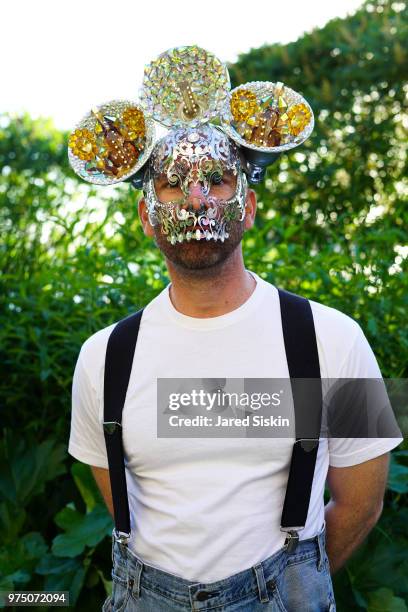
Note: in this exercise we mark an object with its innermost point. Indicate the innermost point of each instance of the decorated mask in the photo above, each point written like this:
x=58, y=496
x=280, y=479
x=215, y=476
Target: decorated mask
x=194, y=186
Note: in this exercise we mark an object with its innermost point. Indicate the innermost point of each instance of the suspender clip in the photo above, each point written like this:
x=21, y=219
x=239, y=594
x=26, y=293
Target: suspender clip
x=291, y=541
x=111, y=426
x=308, y=444
x=121, y=536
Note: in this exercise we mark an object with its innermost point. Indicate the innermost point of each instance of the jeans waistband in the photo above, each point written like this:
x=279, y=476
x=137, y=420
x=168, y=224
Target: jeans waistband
x=200, y=595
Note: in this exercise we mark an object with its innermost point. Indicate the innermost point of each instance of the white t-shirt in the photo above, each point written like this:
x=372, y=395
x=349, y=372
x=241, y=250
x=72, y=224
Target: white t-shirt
x=206, y=508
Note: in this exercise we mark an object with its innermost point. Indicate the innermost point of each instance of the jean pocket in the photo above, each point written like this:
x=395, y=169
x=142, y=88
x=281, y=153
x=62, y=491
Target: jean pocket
x=121, y=589
x=301, y=587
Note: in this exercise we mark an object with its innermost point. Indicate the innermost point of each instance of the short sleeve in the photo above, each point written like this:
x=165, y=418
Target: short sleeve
x=344, y=452
x=87, y=440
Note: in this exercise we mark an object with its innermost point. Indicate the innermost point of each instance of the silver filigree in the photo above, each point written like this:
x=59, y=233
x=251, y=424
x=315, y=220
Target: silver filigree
x=183, y=224
x=194, y=161
x=194, y=155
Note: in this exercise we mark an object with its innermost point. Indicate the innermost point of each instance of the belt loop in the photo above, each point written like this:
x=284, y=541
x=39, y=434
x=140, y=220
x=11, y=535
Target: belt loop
x=260, y=579
x=321, y=545
x=137, y=577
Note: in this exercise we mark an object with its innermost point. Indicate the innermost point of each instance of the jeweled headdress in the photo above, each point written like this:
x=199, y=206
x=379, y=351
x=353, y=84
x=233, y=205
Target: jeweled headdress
x=187, y=87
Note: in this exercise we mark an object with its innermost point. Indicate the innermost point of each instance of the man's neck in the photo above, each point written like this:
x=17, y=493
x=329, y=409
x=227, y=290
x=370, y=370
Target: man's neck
x=212, y=292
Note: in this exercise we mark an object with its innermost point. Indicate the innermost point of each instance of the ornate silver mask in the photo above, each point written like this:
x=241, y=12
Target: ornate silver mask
x=194, y=186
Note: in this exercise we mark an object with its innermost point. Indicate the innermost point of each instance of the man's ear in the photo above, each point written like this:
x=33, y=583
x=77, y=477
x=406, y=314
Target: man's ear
x=144, y=218
x=250, y=209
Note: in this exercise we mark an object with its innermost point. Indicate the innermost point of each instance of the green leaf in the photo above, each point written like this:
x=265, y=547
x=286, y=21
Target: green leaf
x=376, y=559
x=91, y=529
x=86, y=484
x=56, y=565
x=26, y=470
x=398, y=476
x=107, y=583
x=67, y=518
x=11, y=521
x=359, y=597
x=70, y=581
x=384, y=600
x=18, y=558
x=34, y=545
x=20, y=576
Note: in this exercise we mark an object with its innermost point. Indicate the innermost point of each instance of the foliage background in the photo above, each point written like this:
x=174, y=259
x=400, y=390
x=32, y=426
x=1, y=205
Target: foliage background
x=331, y=226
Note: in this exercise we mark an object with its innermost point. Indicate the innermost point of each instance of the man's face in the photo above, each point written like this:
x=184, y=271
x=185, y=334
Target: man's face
x=195, y=195
x=200, y=254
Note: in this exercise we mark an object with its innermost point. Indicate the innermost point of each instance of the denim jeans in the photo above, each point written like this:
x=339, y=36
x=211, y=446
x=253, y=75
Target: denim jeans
x=284, y=582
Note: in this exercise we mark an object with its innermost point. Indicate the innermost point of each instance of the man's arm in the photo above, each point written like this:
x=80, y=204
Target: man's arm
x=102, y=479
x=356, y=504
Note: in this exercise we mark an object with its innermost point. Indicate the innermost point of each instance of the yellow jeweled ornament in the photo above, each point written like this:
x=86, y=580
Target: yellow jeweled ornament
x=83, y=144
x=134, y=121
x=299, y=116
x=243, y=104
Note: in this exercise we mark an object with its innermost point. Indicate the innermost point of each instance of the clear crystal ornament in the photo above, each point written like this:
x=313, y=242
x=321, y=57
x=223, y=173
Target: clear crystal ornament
x=185, y=85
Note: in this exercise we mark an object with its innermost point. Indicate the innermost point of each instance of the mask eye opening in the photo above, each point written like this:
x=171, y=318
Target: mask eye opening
x=216, y=178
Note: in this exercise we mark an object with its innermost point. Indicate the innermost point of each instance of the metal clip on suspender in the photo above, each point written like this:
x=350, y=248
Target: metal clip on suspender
x=303, y=363
x=120, y=351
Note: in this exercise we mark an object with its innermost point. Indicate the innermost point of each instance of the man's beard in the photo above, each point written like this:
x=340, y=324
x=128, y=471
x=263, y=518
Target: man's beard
x=200, y=254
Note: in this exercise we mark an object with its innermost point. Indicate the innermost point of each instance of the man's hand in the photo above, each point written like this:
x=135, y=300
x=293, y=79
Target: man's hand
x=356, y=504
x=102, y=479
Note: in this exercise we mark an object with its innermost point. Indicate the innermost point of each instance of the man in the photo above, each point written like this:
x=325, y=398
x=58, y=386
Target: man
x=205, y=512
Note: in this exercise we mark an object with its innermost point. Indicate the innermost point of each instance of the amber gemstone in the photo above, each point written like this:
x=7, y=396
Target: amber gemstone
x=83, y=144
x=299, y=116
x=243, y=104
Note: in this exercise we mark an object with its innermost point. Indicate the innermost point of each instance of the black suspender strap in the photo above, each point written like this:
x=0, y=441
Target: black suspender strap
x=303, y=363
x=120, y=351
